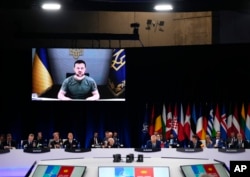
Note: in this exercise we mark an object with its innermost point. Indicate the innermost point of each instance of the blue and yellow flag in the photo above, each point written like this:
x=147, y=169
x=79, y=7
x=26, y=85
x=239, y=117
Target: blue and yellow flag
x=41, y=77
x=117, y=73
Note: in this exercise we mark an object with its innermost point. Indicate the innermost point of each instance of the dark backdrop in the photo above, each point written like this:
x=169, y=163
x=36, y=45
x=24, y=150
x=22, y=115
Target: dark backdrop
x=206, y=73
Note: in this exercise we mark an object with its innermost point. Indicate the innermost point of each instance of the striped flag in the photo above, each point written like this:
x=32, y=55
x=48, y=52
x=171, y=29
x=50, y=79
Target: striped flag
x=247, y=128
x=158, y=124
x=236, y=123
x=169, y=122
x=242, y=120
x=204, y=127
x=175, y=121
x=229, y=120
x=41, y=76
x=181, y=135
x=210, y=122
x=187, y=126
x=199, y=125
x=216, y=120
x=193, y=121
x=223, y=123
x=117, y=73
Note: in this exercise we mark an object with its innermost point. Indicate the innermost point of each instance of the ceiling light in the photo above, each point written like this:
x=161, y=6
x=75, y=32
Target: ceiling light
x=163, y=7
x=51, y=6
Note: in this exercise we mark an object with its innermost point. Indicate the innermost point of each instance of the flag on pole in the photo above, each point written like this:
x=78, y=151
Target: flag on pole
x=247, y=128
x=204, y=127
x=145, y=126
x=169, y=122
x=181, y=135
x=193, y=121
x=158, y=124
x=236, y=123
x=164, y=121
x=199, y=125
x=152, y=121
x=242, y=120
x=223, y=123
x=210, y=122
x=187, y=126
x=175, y=122
x=216, y=120
x=117, y=72
x=41, y=76
x=229, y=120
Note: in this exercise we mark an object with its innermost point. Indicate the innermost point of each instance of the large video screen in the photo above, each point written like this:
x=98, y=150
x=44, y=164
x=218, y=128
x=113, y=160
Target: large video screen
x=60, y=74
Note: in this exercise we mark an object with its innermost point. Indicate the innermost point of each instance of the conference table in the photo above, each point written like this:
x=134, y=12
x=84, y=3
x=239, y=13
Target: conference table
x=16, y=162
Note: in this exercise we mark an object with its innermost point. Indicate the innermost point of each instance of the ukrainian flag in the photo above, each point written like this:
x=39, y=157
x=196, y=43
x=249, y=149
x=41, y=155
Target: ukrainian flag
x=117, y=73
x=41, y=77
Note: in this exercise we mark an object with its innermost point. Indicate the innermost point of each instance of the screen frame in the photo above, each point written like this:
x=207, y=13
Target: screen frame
x=61, y=165
x=184, y=172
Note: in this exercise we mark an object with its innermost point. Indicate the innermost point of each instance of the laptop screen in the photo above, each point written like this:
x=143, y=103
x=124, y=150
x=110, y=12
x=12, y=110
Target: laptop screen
x=128, y=171
x=59, y=170
x=213, y=170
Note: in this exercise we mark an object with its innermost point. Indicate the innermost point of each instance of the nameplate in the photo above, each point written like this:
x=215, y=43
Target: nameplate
x=36, y=150
x=231, y=150
x=189, y=149
x=2, y=151
x=77, y=150
x=147, y=149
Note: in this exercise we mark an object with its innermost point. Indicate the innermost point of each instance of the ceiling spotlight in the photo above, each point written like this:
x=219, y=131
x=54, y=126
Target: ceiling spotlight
x=51, y=6
x=163, y=7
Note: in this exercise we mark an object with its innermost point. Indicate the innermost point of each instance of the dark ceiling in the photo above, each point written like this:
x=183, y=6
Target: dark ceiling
x=134, y=5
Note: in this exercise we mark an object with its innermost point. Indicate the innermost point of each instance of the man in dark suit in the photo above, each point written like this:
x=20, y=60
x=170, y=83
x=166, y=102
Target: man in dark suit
x=153, y=142
x=195, y=142
x=240, y=143
x=70, y=143
x=95, y=141
x=30, y=142
x=9, y=143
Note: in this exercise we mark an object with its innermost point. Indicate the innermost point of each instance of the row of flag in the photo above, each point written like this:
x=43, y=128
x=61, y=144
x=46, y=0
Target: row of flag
x=197, y=119
x=42, y=78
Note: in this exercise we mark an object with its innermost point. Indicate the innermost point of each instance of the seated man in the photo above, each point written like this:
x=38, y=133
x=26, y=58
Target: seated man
x=30, y=142
x=56, y=142
x=218, y=142
x=70, y=143
x=195, y=142
x=111, y=143
x=153, y=142
x=240, y=143
x=9, y=143
x=172, y=142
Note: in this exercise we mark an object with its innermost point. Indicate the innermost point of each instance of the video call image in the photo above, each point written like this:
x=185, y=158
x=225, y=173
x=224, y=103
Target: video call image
x=78, y=74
